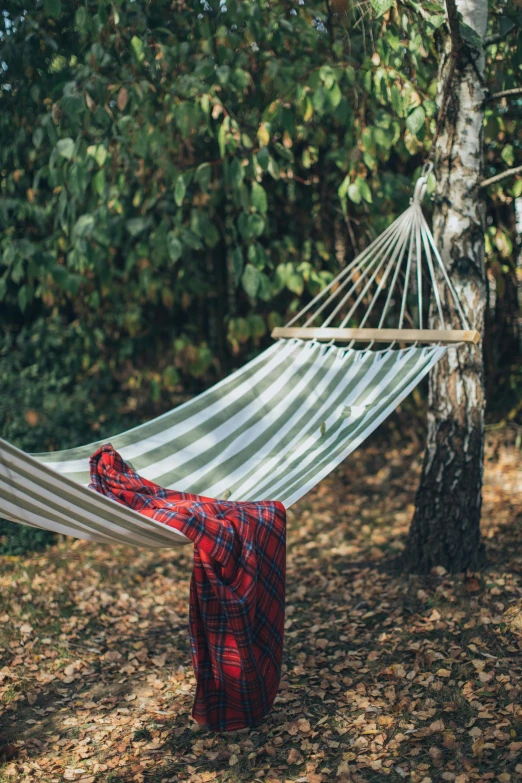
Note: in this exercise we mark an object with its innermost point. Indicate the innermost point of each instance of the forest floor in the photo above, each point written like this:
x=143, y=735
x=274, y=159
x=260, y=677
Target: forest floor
x=386, y=676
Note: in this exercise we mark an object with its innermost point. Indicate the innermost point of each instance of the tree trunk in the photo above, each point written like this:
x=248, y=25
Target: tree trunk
x=446, y=525
x=518, y=216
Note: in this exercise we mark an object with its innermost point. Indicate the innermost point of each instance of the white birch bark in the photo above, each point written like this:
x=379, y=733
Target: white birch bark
x=446, y=526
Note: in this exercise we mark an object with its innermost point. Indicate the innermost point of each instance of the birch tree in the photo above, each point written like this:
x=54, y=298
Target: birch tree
x=446, y=526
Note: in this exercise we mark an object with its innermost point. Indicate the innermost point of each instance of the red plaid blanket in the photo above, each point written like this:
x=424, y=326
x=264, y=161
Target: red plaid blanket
x=237, y=592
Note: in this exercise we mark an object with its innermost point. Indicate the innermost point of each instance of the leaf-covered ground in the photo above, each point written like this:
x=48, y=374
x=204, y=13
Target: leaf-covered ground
x=386, y=676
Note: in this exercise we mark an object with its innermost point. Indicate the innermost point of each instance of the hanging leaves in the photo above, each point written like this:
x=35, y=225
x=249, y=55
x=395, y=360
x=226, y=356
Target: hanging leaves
x=381, y=6
x=415, y=120
x=156, y=185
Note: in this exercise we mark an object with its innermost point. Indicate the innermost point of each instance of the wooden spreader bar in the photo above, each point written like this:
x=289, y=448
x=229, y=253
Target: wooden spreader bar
x=443, y=336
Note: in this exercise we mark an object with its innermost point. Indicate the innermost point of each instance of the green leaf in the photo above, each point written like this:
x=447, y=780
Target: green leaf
x=98, y=152
x=53, y=7
x=137, y=48
x=179, y=190
x=256, y=225
x=211, y=235
x=22, y=298
x=517, y=188
x=327, y=75
x=174, y=247
x=354, y=194
x=263, y=158
x=77, y=180
x=101, y=155
x=250, y=280
x=295, y=283
x=222, y=137
x=83, y=226
x=250, y=226
x=136, y=225
x=203, y=176
x=396, y=100
x=193, y=241
x=350, y=74
x=259, y=200
x=274, y=319
x=381, y=6
x=437, y=20
x=343, y=187
x=65, y=148
x=257, y=326
x=430, y=107
x=237, y=264
x=236, y=173
x=334, y=96
x=508, y=154
x=38, y=137
x=415, y=120
x=239, y=329
x=253, y=255
x=99, y=182
x=364, y=190
x=273, y=168
x=81, y=19
x=470, y=36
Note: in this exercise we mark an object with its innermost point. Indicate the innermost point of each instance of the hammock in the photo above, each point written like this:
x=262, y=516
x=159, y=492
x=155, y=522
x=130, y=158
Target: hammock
x=277, y=426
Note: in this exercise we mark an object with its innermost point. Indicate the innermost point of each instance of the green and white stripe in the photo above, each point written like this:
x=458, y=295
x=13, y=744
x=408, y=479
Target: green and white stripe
x=271, y=430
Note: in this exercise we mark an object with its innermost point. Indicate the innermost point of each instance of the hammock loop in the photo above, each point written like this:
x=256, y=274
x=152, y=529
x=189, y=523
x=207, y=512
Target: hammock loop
x=420, y=190
x=427, y=169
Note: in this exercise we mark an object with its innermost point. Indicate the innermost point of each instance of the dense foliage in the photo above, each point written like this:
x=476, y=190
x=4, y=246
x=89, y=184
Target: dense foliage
x=176, y=177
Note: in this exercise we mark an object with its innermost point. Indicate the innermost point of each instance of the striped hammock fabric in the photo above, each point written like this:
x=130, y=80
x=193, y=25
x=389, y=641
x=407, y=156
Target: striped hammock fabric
x=271, y=430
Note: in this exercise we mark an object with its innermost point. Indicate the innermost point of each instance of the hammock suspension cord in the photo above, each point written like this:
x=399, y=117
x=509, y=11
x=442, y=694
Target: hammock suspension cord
x=405, y=252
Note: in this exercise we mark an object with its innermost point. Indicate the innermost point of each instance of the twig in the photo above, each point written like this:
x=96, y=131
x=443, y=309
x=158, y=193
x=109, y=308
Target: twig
x=498, y=177
x=509, y=419
x=504, y=94
x=352, y=235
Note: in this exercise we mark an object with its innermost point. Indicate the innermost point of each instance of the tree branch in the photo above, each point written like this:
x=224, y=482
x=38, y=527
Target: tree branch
x=453, y=23
x=498, y=177
x=504, y=94
x=498, y=37
x=331, y=32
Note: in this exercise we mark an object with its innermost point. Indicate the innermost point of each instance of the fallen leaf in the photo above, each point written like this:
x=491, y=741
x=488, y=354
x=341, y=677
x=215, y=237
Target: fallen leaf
x=472, y=584
x=303, y=725
x=294, y=757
